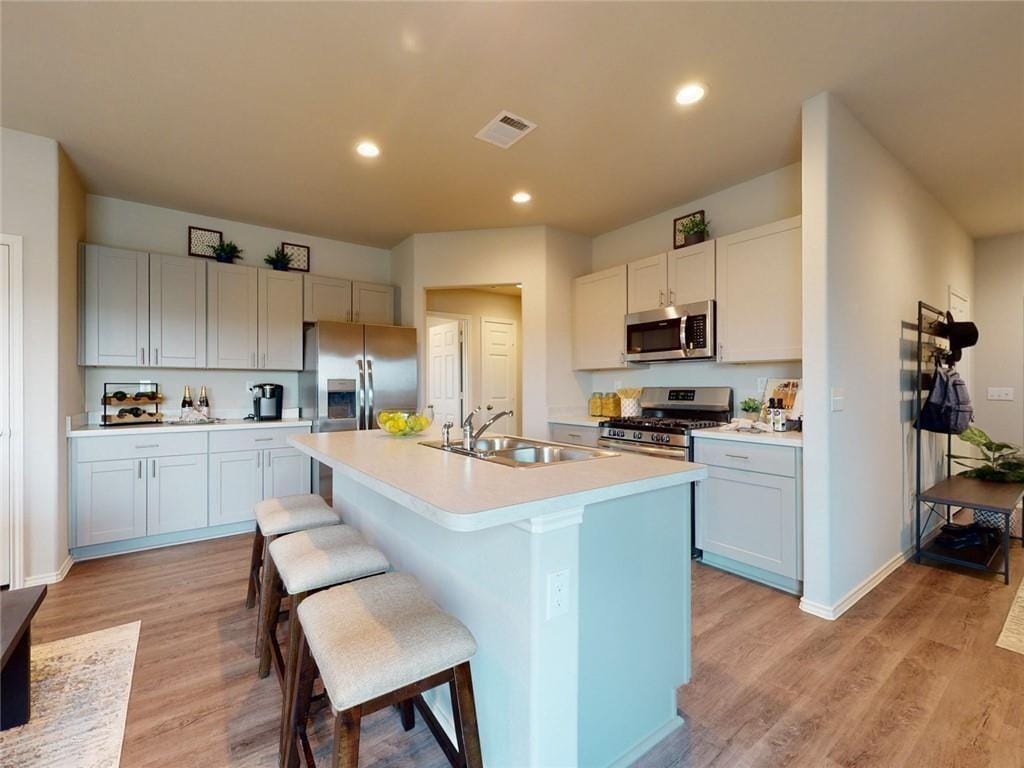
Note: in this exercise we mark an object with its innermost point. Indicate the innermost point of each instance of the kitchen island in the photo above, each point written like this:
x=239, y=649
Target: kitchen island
x=574, y=578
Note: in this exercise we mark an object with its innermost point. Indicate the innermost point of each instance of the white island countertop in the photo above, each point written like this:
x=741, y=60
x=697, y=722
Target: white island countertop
x=467, y=494
x=98, y=430
x=789, y=439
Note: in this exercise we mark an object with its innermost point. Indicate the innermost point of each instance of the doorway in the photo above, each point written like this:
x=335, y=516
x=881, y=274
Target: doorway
x=447, y=366
x=11, y=418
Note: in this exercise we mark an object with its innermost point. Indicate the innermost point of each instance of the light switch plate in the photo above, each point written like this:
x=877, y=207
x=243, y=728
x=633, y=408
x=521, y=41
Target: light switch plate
x=1000, y=393
x=838, y=399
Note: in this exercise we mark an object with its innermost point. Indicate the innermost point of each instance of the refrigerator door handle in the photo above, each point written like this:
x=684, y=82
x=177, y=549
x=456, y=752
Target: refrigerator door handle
x=369, y=395
x=360, y=398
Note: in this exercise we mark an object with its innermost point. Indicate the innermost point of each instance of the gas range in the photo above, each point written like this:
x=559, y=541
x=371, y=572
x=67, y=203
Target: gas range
x=668, y=416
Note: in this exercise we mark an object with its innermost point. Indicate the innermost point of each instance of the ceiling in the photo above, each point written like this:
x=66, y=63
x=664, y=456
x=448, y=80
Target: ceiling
x=250, y=111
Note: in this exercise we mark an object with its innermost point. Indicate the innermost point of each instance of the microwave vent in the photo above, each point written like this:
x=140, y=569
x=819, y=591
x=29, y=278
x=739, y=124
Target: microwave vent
x=505, y=129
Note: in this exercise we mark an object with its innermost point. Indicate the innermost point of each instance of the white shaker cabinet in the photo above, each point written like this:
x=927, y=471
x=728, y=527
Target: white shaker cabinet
x=176, y=493
x=646, y=284
x=691, y=273
x=759, y=294
x=236, y=484
x=598, y=320
x=177, y=311
x=286, y=472
x=110, y=500
x=232, y=310
x=373, y=303
x=326, y=298
x=280, y=320
x=114, y=307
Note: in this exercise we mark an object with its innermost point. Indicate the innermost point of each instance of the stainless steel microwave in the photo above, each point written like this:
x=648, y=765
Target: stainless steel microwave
x=682, y=332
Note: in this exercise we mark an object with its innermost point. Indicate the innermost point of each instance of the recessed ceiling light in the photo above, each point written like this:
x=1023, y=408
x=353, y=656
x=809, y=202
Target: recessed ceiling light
x=367, y=149
x=521, y=197
x=690, y=94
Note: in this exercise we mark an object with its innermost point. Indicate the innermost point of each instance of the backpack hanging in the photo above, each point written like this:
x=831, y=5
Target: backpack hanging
x=948, y=408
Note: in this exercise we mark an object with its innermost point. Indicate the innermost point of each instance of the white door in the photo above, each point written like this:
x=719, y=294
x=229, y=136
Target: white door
x=498, y=369
x=177, y=311
x=286, y=472
x=236, y=484
x=280, y=318
x=373, y=303
x=646, y=284
x=176, y=493
x=691, y=274
x=232, y=299
x=111, y=503
x=960, y=307
x=5, y=415
x=326, y=298
x=115, y=320
x=445, y=372
x=598, y=320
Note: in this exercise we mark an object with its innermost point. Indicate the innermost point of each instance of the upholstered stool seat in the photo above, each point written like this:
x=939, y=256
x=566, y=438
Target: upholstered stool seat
x=323, y=557
x=287, y=514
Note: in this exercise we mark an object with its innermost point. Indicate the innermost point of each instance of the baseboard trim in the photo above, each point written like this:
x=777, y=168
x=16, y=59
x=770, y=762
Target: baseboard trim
x=51, y=578
x=647, y=744
x=143, y=543
x=833, y=612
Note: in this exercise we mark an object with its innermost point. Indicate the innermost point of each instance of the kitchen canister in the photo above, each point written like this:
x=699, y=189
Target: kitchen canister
x=630, y=406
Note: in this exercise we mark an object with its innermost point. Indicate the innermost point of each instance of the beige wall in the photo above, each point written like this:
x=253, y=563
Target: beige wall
x=478, y=305
x=874, y=243
x=999, y=357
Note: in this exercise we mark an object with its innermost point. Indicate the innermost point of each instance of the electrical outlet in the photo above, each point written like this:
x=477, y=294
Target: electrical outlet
x=249, y=385
x=558, y=593
x=838, y=399
x=1000, y=393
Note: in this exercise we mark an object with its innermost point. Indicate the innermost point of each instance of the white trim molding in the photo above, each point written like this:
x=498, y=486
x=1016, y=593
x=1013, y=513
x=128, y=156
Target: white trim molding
x=833, y=612
x=16, y=398
x=51, y=578
x=552, y=521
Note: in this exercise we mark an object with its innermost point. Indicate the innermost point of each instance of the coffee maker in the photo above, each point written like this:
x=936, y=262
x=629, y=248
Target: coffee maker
x=267, y=402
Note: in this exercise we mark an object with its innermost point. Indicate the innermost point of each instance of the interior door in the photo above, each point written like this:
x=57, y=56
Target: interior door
x=280, y=319
x=391, y=379
x=444, y=390
x=5, y=414
x=498, y=369
x=177, y=311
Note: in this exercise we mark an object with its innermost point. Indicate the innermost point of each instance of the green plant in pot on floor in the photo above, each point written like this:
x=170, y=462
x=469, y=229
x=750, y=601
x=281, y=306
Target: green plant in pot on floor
x=279, y=260
x=226, y=252
x=1000, y=462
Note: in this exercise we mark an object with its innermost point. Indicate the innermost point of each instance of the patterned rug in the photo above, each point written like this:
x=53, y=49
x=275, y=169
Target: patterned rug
x=1012, y=636
x=80, y=690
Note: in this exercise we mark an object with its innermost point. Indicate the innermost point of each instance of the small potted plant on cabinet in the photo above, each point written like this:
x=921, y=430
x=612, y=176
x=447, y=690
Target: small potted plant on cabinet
x=279, y=260
x=226, y=252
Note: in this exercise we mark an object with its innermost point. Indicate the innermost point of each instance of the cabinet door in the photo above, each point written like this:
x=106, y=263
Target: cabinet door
x=115, y=307
x=280, y=319
x=110, y=501
x=647, y=283
x=232, y=298
x=285, y=472
x=598, y=320
x=373, y=303
x=176, y=493
x=691, y=274
x=236, y=484
x=177, y=311
x=758, y=292
x=326, y=298
x=751, y=518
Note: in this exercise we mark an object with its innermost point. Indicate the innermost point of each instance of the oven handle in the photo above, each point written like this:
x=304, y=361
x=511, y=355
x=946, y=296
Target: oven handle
x=666, y=453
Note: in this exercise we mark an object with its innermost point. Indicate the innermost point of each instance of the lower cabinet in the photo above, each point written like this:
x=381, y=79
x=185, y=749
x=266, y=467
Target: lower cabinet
x=239, y=479
x=110, y=501
x=176, y=494
x=575, y=435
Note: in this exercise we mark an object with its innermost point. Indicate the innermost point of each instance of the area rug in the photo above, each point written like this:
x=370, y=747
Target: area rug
x=1012, y=636
x=80, y=690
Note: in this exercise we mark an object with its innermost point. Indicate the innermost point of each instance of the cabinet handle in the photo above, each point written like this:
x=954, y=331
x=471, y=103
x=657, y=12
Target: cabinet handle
x=154, y=467
x=671, y=297
x=140, y=469
x=148, y=445
x=156, y=355
x=264, y=363
x=253, y=359
x=737, y=456
x=142, y=355
x=259, y=461
x=571, y=434
x=661, y=298
x=264, y=440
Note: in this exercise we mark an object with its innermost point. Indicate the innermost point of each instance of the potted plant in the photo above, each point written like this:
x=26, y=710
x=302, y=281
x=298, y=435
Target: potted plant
x=1000, y=462
x=695, y=230
x=279, y=260
x=751, y=406
x=226, y=252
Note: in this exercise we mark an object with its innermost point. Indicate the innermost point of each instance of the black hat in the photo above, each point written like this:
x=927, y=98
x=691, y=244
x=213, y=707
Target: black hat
x=960, y=334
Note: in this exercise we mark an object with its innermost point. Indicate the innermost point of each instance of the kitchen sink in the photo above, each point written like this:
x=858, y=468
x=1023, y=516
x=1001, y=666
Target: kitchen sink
x=522, y=452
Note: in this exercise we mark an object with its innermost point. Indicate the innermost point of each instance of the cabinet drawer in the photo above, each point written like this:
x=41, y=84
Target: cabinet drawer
x=770, y=459
x=574, y=435
x=252, y=439
x=138, y=446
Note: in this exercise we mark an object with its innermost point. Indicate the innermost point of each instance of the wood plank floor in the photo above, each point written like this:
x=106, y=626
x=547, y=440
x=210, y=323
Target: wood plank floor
x=910, y=676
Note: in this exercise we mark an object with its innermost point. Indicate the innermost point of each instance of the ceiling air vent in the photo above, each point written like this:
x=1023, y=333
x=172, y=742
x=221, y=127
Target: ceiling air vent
x=505, y=130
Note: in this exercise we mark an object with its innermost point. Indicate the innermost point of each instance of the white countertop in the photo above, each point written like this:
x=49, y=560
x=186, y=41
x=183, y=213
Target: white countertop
x=788, y=439
x=466, y=494
x=577, y=421
x=98, y=430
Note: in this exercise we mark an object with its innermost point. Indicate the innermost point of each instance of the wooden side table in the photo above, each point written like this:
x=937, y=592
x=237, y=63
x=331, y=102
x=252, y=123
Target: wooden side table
x=17, y=607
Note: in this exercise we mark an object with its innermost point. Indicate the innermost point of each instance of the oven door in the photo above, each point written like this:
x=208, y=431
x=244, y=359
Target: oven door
x=628, y=446
x=683, y=332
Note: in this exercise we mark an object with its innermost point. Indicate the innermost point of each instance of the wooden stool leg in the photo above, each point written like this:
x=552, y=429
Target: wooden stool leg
x=291, y=662
x=469, y=735
x=301, y=696
x=255, y=560
x=270, y=607
x=408, y=715
x=346, y=738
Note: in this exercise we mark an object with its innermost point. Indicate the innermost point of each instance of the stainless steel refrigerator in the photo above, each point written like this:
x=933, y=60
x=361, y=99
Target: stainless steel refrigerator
x=351, y=372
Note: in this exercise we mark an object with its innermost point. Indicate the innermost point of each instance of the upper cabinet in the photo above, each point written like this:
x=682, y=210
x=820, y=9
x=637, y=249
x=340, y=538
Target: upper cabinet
x=759, y=294
x=177, y=312
x=373, y=303
x=232, y=313
x=326, y=298
x=682, y=276
x=114, y=307
x=599, y=330
x=280, y=319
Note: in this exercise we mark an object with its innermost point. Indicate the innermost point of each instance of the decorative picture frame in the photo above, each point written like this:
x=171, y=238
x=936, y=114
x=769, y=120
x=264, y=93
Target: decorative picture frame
x=678, y=238
x=202, y=240
x=299, y=254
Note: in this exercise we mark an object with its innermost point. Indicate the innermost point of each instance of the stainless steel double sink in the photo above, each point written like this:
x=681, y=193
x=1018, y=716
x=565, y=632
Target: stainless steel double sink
x=522, y=452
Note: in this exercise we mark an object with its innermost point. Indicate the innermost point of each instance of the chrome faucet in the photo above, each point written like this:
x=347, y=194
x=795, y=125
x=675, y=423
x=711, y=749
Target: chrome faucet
x=467, y=427
x=487, y=424
x=446, y=433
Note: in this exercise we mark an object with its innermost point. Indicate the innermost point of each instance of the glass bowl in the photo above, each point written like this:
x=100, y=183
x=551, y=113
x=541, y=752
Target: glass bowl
x=404, y=423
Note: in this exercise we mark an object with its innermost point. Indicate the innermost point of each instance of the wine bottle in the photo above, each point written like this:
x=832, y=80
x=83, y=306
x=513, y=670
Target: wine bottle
x=186, y=400
x=204, y=401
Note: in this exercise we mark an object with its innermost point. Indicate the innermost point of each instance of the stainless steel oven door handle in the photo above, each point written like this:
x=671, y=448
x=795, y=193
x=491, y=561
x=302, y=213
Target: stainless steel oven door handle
x=361, y=398
x=682, y=332
x=369, y=394
x=678, y=454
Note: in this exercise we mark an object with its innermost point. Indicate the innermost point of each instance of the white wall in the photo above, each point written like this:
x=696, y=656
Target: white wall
x=125, y=224
x=875, y=242
x=999, y=356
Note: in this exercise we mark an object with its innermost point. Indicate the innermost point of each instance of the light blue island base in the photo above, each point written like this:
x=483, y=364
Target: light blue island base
x=582, y=617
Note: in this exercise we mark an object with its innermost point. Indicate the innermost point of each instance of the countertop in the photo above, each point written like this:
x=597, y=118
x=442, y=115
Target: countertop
x=788, y=439
x=466, y=494
x=97, y=430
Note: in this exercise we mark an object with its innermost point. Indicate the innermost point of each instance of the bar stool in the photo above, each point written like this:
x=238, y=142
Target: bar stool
x=375, y=643
x=277, y=516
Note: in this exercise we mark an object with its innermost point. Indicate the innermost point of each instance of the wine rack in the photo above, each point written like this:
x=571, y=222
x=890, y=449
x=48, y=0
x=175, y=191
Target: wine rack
x=127, y=403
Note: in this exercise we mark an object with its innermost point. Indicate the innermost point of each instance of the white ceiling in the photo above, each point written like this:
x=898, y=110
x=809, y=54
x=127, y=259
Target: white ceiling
x=249, y=111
